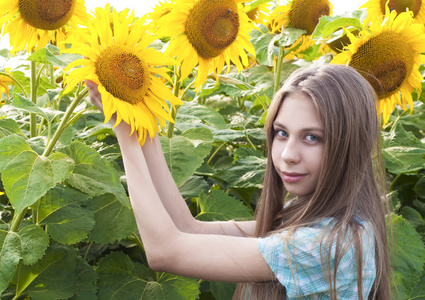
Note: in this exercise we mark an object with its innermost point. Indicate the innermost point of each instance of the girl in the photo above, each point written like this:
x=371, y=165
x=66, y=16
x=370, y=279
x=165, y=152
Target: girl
x=320, y=229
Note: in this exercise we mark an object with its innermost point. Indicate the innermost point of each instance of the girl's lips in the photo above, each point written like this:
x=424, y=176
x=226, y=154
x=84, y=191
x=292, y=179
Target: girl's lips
x=292, y=177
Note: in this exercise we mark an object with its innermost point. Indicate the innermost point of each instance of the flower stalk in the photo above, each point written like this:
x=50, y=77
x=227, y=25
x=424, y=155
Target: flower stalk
x=34, y=87
x=278, y=70
x=64, y=123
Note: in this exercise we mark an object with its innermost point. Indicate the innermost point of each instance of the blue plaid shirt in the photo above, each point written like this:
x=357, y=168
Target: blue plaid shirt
x=297, y=263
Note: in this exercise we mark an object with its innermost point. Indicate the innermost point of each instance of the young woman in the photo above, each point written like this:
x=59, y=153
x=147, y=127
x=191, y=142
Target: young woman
x=319, y=231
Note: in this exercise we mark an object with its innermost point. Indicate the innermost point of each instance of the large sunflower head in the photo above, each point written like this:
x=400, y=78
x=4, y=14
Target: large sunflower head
x=388, y=55
x=119, y=61
x=302, y=14
x=377, y=8
x=31, y=24
x=207, y=33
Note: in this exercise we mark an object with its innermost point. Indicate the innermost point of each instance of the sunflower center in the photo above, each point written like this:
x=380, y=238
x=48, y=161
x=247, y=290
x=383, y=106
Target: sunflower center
x=402, y=5
x=47, y=14
x=212, y=26
x=123, y=73
x=387, y=59
x=305, y=14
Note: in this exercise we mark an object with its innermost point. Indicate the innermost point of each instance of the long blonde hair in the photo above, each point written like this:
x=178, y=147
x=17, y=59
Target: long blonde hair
x=351, y=182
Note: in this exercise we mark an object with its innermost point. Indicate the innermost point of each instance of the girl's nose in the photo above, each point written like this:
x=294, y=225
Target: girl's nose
x=291, y=152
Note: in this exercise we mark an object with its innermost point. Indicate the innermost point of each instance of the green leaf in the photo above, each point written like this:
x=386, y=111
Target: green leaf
x=219, y=206
x=192, y=113
x=412, y=216
x=223, y=290
x=404, y=159
x=185, y=153
x=44, y=56
x=9, y=127
x=246, y=172
x=34, y=242
x=10, y=254
x=26, y=176
x=62, y=166
x=114, y=221
x=52, y=277
x=407, y=256
x=64, y=210
x=86, y=281
x=193, y=186
x=26, y=105
x=120, y=278
x=329, y=24
x=92, y=174
x=418, y=292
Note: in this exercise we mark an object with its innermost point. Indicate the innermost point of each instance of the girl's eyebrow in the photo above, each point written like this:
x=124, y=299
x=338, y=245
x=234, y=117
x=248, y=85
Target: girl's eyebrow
x=320, y=129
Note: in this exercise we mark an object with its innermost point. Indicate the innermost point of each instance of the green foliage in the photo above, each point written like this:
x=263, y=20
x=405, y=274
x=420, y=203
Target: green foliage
x=67, y=230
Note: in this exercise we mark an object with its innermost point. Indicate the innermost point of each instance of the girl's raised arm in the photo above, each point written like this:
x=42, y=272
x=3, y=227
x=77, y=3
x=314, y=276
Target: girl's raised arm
x=167, y=189
x=206, y=256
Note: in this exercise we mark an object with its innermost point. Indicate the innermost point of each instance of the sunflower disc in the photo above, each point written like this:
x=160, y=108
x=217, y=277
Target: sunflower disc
x=123, y=74
x=212, y=26
x=388, y=58
x=47, y=14
x=402, y=5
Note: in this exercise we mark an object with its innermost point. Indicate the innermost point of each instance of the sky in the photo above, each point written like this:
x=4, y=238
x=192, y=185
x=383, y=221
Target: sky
x=142, y=7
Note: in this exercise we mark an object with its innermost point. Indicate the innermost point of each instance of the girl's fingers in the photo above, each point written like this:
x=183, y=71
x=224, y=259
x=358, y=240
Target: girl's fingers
x=94, y=95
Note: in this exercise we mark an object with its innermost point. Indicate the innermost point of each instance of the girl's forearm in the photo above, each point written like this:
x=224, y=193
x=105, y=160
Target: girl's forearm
x=166, y=186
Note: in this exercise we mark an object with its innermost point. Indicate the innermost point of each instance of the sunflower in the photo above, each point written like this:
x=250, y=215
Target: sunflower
x=302, y=14
x=207, y=33
x=123, y=67
x=377, y=8
x=5, y=81
x=31, y=24
x=388, y=55
x=260, y=14
x=160, y=10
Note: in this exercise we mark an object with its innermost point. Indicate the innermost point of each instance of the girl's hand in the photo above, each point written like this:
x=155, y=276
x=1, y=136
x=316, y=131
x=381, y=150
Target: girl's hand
x=96, y=99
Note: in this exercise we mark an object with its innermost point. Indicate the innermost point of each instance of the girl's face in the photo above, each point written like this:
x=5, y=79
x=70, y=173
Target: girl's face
x=298, y=148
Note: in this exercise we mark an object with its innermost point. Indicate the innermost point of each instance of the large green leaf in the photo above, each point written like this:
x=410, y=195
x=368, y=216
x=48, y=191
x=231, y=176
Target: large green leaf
x=192, y=113
x=10, y=254
x=114, y=221
x=92, y=174
x=52, y=277
x=34, y=242
x=120, y=278
x=86, y=281
x=9, y=127
x=407, y=256
x=223, y=290
x=403, y=152
x=62, y=166
x=219, y=206
x=246, y=172
x=65, y=212
x=26, y=176
x=186, y=152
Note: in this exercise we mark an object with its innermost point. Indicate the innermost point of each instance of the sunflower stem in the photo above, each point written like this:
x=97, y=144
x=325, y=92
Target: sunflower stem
x=398, y=119
x=278, y=69
x=176, y=89
x=64, y=123
x=33, y=83
x=17, y=220
x=16, y=81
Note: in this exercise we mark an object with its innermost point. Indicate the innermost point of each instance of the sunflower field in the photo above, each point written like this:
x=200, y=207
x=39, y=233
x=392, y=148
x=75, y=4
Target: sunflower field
x=199, y=73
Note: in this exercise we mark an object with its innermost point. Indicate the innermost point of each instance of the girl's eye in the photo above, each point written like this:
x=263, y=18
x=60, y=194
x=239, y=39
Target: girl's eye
x=312, y=138
x=280, y=133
